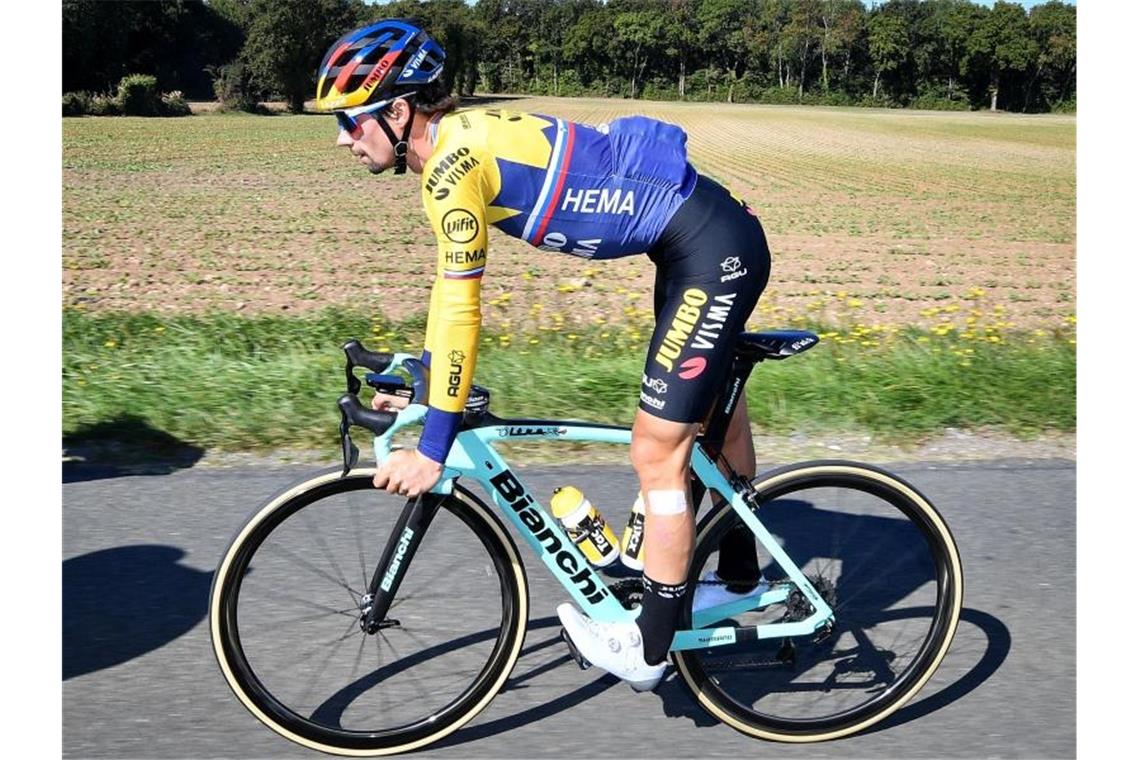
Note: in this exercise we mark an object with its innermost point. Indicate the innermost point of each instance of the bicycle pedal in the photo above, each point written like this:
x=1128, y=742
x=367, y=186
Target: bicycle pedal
x=583, y=663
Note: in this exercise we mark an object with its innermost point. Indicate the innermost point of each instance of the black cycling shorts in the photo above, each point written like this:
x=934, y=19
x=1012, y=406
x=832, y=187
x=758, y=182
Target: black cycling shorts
x=712, y=264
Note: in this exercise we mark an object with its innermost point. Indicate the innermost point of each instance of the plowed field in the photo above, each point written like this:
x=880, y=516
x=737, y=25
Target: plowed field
x=874, y=217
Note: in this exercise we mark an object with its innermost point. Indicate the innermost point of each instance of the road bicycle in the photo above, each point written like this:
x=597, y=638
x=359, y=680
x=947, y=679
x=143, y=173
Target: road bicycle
x=356, y=623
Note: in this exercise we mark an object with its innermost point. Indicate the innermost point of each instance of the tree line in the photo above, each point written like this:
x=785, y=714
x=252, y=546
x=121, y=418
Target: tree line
x=950, y=54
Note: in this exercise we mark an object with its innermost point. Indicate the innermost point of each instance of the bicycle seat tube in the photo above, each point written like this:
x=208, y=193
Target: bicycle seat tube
x=716, y=424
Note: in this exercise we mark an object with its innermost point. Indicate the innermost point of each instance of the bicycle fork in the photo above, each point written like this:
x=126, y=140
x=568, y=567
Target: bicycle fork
x=394, y=561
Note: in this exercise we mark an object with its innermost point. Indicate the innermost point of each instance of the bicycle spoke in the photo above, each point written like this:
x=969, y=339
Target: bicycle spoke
x=310, y=618
x=315, y=534
x=357, y=531
x=300, y=560
x=352, y=611
x=333, y=647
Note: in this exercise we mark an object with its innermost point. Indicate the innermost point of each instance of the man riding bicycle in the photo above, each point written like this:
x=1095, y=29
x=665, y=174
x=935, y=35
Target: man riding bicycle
x=598, y=192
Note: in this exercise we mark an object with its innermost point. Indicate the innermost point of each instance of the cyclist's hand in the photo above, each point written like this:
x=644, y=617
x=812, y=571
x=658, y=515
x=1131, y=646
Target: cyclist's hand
x=386, y=402
x=407, y=472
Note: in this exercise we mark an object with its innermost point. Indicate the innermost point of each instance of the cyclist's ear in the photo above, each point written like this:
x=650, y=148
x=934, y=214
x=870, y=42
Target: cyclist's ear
x=398, y=113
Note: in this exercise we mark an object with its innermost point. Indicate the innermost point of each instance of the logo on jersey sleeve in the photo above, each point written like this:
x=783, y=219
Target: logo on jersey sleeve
x=460, y=225
x=461, y=262
x=447, y=173
x=455, y=372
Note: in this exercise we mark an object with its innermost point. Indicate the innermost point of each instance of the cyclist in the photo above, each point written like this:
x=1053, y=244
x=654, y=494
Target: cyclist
x=598, y=192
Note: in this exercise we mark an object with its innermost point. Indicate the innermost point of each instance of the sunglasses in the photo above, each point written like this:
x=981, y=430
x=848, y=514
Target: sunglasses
x=349, y=119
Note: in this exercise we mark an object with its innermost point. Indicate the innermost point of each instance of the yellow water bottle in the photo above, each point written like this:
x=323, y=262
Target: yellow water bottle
x=585, y=525
x=633, y=538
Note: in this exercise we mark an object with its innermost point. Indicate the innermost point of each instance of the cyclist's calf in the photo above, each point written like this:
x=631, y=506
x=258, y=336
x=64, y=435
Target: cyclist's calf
x=660, y=455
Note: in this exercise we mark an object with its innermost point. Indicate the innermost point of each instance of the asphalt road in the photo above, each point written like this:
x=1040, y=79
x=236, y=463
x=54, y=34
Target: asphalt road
x=140, y=679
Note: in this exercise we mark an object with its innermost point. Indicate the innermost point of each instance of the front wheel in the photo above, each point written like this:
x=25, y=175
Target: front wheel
x=885, y=562
x=287, y=600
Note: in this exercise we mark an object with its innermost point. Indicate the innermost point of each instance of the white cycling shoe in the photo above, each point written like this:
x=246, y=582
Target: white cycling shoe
x=714, y=594
x=614, y=647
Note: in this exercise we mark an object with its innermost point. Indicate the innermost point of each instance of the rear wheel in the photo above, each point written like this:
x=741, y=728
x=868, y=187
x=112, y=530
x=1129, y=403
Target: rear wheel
x=285, y=614
x=885, y=562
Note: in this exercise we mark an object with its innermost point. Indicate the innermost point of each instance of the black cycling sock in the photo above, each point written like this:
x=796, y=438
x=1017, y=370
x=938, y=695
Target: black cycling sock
x=660, y=606
x=738, y=561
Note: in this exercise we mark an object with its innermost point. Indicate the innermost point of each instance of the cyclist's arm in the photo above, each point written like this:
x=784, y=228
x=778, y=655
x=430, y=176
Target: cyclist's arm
x=452, y=340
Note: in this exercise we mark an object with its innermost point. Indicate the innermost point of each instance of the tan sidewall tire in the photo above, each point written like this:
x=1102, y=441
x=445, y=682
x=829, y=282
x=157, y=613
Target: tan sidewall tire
x=518, y=635
x=956, y=605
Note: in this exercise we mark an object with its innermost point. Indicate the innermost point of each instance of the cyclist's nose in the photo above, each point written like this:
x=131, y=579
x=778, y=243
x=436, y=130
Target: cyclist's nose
x=343, y=138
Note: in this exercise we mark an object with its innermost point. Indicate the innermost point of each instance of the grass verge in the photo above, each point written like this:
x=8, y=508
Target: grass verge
x=250, y=383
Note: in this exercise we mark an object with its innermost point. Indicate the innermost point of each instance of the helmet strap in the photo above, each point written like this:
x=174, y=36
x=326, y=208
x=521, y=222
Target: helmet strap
x=400, y=145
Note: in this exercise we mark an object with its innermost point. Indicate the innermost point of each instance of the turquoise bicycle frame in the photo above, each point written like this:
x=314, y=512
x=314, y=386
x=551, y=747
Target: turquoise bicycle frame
x=474, y=457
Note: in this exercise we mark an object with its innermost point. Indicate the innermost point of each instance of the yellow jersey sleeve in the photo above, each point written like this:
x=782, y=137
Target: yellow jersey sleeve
x=455, y=201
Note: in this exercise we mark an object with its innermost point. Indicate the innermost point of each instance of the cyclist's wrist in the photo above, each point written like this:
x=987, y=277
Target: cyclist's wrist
x=440, y=429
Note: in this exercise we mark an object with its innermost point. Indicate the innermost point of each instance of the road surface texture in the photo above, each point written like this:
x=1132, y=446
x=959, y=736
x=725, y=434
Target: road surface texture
x=140, y=680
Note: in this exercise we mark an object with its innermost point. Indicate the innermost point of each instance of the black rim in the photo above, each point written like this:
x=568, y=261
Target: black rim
x=349, y=739
x=938, y=630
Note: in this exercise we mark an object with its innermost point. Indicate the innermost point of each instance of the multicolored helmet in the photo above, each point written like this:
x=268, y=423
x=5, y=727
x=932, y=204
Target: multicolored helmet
x=377, y=64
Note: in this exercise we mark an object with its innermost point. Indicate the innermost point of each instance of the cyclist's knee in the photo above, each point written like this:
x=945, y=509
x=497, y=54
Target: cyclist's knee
x=660, y=448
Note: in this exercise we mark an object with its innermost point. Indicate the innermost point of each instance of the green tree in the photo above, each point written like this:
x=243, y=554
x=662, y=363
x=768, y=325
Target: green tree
x=286, y=40
x=949, y=26
x=640, y=33
x=841, y=23
x=680, y=38
x=1054, y=27
x=774, y=15
x=888, y=42
x=587, y=45
x=1000, y=45
x=802, y=33
x=720, y=32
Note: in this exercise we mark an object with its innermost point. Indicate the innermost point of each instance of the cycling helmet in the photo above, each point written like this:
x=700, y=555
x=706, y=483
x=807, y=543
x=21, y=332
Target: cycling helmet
x=370, y=67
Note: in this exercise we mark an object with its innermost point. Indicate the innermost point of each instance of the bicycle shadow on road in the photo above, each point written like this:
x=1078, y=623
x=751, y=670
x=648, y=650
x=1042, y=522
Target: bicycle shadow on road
x=998, y=641
x=120, y=603
x=545, y=710
x=126, y=445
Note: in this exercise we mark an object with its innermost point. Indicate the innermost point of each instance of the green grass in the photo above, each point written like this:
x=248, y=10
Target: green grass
x=234, y=383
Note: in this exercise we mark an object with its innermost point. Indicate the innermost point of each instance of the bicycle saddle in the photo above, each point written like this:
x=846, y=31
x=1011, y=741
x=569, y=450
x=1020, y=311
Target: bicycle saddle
x=774, y=344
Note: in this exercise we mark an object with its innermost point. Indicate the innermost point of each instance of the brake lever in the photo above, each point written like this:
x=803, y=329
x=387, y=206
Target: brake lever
x=348, y=449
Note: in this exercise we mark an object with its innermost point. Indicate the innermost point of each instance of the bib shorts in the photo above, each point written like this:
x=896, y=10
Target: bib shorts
x=712, y=265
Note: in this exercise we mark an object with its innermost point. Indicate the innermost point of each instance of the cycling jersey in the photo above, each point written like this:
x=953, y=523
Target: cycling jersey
x=593, y=191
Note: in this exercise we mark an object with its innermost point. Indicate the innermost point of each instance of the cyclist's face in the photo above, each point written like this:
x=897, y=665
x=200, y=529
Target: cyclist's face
x=368, y=144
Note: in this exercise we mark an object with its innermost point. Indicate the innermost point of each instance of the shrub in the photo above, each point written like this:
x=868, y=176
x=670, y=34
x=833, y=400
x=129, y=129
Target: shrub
x=76, y=103
x=104, y=105
x=835, y=98
x=659, y=89
x=173, y=104
x=929, y=101
x=233, y=86
x=1065, y=106
x=780, y=95
x=138, y=95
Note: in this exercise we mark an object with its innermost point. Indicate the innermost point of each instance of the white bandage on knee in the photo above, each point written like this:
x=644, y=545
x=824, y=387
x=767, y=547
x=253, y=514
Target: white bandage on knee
x=667, y=502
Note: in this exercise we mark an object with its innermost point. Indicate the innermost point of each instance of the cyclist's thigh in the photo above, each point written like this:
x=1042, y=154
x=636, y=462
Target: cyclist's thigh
x=712, y=267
